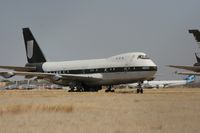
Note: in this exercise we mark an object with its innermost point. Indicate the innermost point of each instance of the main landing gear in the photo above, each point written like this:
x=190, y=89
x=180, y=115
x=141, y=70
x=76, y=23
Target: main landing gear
x=79, y=87
x=109, y=89
x=76, y=87
x=140, y=88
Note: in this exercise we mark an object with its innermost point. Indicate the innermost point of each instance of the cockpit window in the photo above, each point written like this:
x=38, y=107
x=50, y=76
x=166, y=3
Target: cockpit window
x=143, y=57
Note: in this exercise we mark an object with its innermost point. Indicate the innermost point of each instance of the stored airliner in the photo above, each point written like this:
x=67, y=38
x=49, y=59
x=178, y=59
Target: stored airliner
x=196, y=67
x=84, y=75
x=165, y=83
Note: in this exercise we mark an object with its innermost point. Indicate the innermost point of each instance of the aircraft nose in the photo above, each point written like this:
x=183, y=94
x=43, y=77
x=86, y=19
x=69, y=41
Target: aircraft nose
x=155, y=68
x=153, y=65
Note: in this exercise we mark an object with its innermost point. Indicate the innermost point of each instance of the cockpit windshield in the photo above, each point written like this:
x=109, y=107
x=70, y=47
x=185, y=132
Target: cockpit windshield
x=143, y=57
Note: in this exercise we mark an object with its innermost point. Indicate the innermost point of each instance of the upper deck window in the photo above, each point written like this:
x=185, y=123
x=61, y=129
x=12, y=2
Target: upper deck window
x=143, y=57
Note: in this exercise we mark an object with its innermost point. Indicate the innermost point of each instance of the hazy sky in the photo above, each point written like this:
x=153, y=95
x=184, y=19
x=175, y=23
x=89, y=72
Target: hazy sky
x=84, y=29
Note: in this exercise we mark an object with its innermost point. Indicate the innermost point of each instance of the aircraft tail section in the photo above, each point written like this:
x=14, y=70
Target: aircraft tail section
x=197, y=57
x=196, y=35
x=190, y=78
x=33, y=52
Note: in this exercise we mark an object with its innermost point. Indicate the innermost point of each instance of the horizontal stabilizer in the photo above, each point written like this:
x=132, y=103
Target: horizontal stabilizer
x=67, y=77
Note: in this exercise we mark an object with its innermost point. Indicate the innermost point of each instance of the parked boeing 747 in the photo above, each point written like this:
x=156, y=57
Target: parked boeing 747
x=84, y=75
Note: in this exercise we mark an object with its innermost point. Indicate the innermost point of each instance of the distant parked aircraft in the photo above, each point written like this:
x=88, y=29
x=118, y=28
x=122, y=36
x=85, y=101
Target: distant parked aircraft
x=165, y=83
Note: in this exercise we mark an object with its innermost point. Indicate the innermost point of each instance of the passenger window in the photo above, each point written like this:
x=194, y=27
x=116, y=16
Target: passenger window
x=145, y=68
x=83, y=71
x=91, y=70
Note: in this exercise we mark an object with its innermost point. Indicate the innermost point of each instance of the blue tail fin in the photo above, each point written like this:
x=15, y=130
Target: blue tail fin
x=190, y=78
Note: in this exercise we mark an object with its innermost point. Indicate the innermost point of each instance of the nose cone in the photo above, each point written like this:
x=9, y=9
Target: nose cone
x=153, y=65
x=153, y=69
x=150, y=63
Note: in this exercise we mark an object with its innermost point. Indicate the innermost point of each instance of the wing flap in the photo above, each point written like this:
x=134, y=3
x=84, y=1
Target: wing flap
x=67, y=77
x=18, y=68
x=89, y=77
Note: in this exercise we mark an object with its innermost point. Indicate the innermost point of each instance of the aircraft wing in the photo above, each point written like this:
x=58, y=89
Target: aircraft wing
x=54, y=76
x=18, y=68
x=190, y=68
x=189, y=73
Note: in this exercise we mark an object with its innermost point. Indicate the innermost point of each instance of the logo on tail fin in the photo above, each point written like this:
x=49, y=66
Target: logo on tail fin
x=190, y=78
x=33, y=52
x=30, y=45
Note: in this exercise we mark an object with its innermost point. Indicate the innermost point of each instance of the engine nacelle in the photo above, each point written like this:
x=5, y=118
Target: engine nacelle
x=56, y=77
x=160, y=86
x=8, y=74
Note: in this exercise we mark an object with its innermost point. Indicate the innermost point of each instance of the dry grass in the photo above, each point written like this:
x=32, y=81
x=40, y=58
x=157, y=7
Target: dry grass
x=38, y=111
x=24, y=108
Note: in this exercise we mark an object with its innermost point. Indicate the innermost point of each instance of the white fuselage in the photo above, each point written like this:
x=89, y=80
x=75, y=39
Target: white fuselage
x=160, y=84
x=163, y=84
x=119, y=69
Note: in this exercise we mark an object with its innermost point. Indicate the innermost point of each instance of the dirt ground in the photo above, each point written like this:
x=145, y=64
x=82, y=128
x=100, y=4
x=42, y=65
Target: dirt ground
x=174, y=110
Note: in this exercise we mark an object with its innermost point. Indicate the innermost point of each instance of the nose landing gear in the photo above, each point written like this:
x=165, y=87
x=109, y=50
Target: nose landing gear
x=140, y=88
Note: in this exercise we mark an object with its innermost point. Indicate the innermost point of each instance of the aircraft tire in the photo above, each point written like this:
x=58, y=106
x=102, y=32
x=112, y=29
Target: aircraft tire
x=71, y=90
x=138, y=91
x=107, y=90
x=112, y=91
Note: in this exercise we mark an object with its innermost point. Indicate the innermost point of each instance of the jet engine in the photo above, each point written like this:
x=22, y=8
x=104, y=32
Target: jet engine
x=8, y=74
x=160, y=86
x=56, y=77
